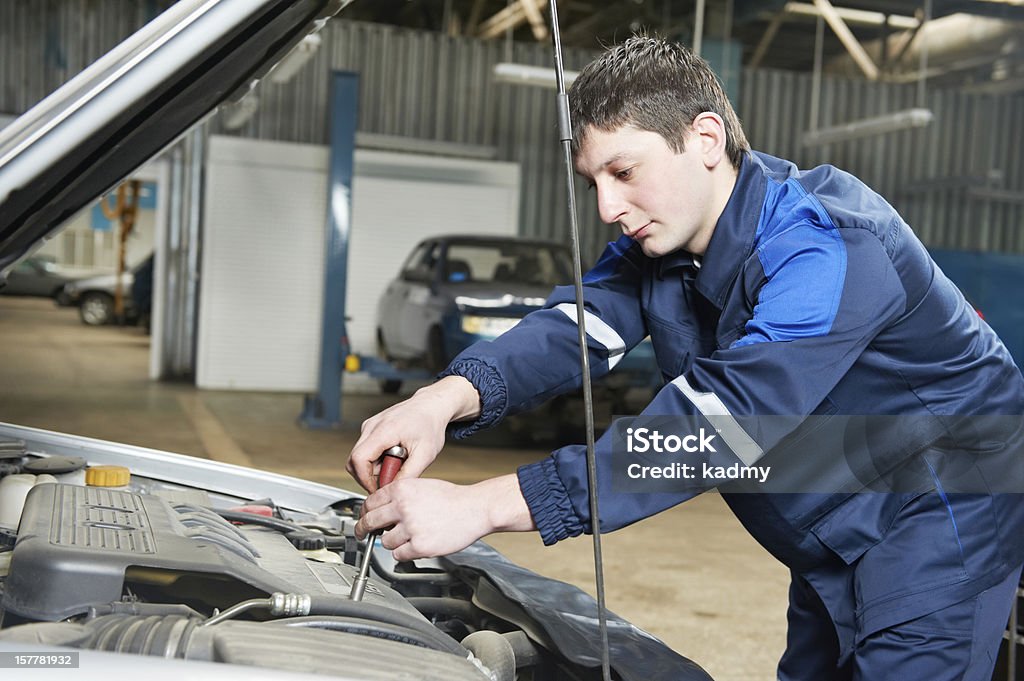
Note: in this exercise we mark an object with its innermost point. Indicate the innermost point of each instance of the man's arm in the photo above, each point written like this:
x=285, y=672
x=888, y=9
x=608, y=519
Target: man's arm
x=539, y=358
x=826, y=299
x=522, y=368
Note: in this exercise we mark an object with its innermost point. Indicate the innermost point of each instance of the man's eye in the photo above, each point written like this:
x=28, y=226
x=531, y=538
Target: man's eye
x=624, y=174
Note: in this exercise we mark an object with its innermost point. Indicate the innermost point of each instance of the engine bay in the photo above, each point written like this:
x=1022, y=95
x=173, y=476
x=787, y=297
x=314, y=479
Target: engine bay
x=156, y=569
x=163, y=565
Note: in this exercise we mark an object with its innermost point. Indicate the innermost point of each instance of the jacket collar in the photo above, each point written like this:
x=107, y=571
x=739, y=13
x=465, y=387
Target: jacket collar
x=733, y=238
x=675, y=260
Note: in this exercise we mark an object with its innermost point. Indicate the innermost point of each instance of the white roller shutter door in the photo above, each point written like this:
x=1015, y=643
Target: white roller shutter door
x=262, y=266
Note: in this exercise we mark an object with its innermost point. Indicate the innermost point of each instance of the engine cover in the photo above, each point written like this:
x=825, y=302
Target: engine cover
x=75, y=545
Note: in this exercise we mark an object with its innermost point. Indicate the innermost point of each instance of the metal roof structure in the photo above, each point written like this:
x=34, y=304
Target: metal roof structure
x=976, y=43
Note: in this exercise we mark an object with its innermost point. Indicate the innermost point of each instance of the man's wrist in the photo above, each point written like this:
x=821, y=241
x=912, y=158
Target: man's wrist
x=503, y=504
x=457, y=392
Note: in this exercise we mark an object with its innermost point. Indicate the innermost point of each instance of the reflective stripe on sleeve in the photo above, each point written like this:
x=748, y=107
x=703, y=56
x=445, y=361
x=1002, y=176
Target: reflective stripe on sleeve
x=599, y=331
x=717, y=414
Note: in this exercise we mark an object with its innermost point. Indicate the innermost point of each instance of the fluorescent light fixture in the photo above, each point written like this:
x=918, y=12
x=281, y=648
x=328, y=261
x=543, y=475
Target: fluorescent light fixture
x=522, y=74
x=293, y=62
x=867, y=127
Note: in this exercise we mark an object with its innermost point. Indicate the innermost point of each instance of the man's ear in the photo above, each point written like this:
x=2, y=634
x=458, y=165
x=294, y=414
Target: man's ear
x=710, y=131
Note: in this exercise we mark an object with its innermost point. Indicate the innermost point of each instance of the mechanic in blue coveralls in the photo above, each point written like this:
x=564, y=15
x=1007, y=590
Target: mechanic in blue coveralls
x=766, y=290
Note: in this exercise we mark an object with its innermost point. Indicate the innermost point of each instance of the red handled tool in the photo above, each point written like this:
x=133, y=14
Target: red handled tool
x=391, y=462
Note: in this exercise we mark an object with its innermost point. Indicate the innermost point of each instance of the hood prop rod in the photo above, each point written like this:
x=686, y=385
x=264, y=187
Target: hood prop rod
x=565, y=138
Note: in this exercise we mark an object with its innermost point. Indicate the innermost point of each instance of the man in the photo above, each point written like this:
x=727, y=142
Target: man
x=767, y=292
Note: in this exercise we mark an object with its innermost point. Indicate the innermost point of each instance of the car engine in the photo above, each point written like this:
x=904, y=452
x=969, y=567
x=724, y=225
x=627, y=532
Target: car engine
x=160, y=565
x=165, y=572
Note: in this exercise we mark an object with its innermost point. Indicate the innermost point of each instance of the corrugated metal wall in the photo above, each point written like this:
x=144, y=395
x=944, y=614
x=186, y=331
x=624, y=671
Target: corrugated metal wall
x=429, y=86
x=958, y=182
x=43, y=43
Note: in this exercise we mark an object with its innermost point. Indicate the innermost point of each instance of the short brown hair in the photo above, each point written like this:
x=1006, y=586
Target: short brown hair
x=654, y=85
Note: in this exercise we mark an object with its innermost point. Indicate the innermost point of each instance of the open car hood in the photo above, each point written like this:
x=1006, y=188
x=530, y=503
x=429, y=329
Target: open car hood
x=107, y=121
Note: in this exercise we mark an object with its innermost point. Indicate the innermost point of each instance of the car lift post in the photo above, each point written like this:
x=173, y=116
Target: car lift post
x=323, y=409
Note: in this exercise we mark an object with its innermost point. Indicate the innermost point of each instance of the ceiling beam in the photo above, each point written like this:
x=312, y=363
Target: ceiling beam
x=900, y=44
x=514, y=15
x=846, y=37
x=766, y=39
x=854, y=16
x=849, y=16
x=533, y=15
x=474, y=16
x=510, y=17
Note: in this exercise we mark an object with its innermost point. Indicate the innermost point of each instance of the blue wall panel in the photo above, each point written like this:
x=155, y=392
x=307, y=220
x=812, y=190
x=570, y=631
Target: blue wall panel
x=993, y=282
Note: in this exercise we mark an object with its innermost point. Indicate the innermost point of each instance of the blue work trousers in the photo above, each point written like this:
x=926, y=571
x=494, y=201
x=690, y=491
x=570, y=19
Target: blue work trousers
x=959, y=642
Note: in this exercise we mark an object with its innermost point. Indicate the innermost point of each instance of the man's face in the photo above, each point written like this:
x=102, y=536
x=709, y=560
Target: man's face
x=659, y=197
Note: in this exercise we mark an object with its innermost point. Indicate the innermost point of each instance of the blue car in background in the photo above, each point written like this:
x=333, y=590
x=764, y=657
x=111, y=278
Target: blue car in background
x=454, y=290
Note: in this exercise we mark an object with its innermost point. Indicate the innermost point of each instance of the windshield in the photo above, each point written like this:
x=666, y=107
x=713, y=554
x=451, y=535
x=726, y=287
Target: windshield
x=523, y=263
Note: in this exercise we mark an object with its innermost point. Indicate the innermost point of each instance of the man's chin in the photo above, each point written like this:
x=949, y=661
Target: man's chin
x=650, y=248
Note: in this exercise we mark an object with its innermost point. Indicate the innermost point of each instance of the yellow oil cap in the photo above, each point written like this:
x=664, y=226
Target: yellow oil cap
x=352, y=363
x=107, y=476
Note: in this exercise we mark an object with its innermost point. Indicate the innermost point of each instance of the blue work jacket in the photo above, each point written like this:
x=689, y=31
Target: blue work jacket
x=813, y=298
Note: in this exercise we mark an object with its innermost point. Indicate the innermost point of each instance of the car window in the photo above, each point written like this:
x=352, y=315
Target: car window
x=523, y=263
x=422, y=264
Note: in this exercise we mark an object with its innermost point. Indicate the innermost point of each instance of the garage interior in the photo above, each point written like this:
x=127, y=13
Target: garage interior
x=231, y=362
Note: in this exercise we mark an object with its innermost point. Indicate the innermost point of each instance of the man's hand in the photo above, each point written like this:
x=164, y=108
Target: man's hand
x=434, y=518
x=418, y=424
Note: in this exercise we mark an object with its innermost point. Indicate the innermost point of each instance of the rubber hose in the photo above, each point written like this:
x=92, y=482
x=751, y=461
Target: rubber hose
x=524, y=648
x=362, y=627
x=144, y=609
x=159, y=635
x=452, y=607
x=284, y=526
x=494, y=651
x=363, y=610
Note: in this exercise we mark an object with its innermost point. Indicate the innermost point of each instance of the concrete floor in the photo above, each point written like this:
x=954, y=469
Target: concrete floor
x=691, y=575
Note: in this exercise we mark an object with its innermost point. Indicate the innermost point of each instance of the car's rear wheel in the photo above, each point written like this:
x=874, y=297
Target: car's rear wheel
x=96, y=309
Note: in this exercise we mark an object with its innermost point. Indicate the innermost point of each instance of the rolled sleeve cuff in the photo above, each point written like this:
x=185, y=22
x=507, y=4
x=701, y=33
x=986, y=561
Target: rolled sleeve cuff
x=493, y=395
x=549, y=502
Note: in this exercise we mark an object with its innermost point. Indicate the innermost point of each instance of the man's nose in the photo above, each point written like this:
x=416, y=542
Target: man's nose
x=610, y=205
